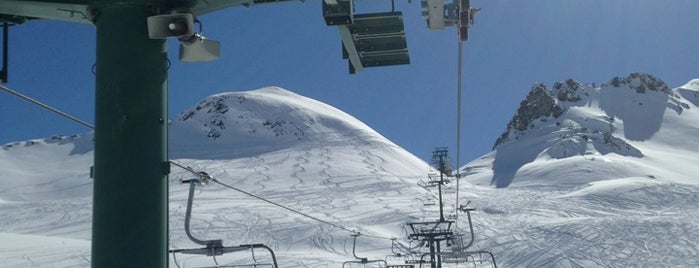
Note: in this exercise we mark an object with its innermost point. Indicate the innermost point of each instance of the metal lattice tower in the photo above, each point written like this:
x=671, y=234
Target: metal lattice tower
x=440, y=161
x=434, y=232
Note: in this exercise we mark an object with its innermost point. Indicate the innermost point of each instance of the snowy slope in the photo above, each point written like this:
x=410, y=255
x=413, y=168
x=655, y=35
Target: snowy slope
x=594, y=176
x=584, y=176
x=300, y=153
x=287, y=148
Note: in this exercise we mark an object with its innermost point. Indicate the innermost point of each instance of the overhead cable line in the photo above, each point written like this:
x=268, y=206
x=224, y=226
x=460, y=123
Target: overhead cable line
x=40, y=104
x=275, y=203
x=458, y=128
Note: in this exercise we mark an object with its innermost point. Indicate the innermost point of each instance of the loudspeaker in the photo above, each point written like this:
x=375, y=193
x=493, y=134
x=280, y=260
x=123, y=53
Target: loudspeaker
x=170, y=25
x=197, y=48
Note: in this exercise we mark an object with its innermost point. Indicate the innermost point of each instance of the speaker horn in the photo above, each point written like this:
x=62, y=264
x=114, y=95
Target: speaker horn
x=170, y=25
x=197, y=48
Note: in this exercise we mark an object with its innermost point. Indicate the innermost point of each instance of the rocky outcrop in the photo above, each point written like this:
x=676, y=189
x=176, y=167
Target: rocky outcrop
x=641, y=82
x=539, y=104
x=545, y=113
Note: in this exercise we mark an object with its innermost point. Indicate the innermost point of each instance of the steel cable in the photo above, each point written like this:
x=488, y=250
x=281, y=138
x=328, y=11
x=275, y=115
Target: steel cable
x=277, y=204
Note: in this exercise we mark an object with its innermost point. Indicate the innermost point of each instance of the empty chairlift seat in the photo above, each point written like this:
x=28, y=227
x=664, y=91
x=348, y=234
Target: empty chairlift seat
x=379, y=40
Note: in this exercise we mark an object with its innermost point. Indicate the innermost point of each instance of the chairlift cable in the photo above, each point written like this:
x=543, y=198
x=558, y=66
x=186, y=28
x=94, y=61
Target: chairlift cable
x=459, y=82
x=458, y=128
x=277, y=204
x=282, y=206
x=40, y=104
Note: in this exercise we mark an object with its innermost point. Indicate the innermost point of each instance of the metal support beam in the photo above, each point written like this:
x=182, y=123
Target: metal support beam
x=433, y=256
x=129, y=225
x=351, y=49
x=5, y=44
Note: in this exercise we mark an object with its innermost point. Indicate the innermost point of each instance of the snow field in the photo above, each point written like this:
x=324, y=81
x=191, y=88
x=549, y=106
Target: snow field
x=567, y=196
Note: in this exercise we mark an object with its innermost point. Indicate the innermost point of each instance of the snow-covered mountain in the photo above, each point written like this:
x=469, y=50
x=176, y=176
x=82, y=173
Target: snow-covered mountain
x=583, y=176
x=630, y=126
x=290, y=149
x=594, y=176
x=243, y=124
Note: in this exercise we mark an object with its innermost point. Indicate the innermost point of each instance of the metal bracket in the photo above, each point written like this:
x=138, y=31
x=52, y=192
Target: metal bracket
x=214, y=247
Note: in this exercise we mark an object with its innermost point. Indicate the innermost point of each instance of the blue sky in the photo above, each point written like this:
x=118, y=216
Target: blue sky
x=513, y=45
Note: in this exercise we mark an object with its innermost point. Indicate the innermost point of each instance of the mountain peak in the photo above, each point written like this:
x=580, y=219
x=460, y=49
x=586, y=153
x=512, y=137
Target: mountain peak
x=539, y=104
x=631, y=120
x=641, y=82
x=542, y=103
x=568, y=90
x=261, y=120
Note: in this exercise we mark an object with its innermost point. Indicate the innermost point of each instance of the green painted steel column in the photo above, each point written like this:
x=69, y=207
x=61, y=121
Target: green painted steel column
x=129, y=225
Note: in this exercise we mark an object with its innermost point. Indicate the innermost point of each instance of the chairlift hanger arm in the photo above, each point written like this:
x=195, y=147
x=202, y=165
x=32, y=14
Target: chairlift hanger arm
x=214, y=247
x=360, y=259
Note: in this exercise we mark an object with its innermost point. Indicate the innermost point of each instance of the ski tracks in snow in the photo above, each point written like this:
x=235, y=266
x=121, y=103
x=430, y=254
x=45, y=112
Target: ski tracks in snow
x=525, y=227
x=68, y=218
x=299, y=168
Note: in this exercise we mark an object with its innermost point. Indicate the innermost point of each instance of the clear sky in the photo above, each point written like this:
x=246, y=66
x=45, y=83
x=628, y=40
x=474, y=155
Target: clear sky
x=513, y=45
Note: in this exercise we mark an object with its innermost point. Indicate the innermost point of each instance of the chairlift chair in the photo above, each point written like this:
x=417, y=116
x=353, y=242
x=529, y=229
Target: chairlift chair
x=360, y=260
x=229, y=249
x=451, y=216
x=458, y=242
x=214, y=247
x=429, y=201
x=459, y=254
x=398, y=259
x=433, y=180
x=463, y=259
x=479, y=258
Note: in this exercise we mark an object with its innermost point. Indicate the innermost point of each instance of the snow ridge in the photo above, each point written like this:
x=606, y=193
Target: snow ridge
x=628, y=118
x=543, y=105
x=236, y=124
x=594, y=176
